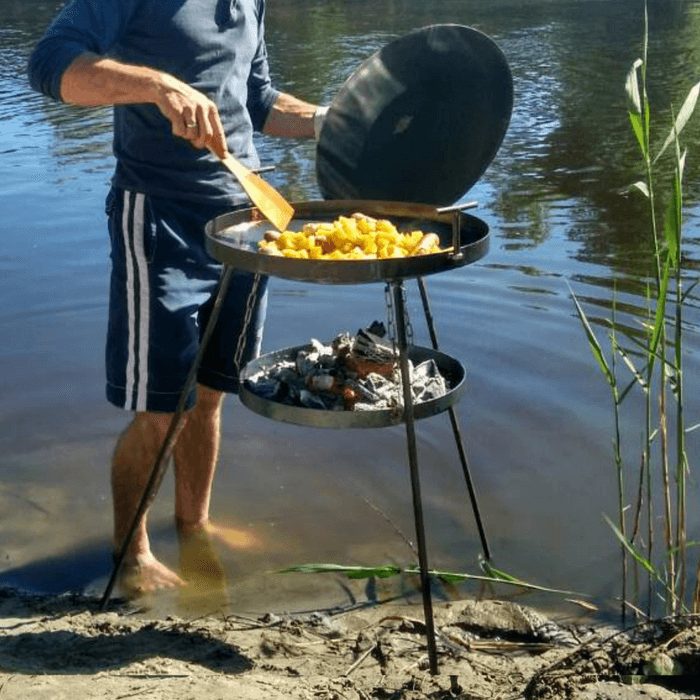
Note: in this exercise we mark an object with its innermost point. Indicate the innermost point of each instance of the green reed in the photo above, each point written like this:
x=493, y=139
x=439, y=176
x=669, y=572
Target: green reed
x=491, y=574
x=658, y=377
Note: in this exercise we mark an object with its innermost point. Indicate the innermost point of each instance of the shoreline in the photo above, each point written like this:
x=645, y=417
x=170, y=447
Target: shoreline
x=64, y=647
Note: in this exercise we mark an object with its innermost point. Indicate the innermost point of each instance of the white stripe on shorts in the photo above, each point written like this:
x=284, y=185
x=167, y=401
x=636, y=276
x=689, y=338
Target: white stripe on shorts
x=138, y=304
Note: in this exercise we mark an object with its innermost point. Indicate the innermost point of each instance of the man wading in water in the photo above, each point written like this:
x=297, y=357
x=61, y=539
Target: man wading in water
x=184, y=76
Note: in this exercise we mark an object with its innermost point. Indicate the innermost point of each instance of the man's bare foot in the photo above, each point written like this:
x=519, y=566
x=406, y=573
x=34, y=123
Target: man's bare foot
x=144, y=574
x=230, y=537
x=198, y=557
x=201, y=567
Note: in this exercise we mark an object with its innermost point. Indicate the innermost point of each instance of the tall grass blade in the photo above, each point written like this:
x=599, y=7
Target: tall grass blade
x=632, y=86
x=596, y=349
x=673, y=220
x=631, y=549
x=361, y=572
x=660, y=316
x=635, y=372
x=352, y=572
x=682, y=119
x=638, y=128
x=644, y=346
x=681, y=164
x=641, y=186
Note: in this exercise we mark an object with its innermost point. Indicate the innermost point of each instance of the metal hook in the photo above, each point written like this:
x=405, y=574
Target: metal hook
x=457, y=253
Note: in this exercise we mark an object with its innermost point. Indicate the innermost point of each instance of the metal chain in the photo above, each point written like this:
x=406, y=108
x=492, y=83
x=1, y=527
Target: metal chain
x=249, y=307
x=407, y=320
x=390, y=322
x=392, y=333
x=409, y=329
x=391, y=316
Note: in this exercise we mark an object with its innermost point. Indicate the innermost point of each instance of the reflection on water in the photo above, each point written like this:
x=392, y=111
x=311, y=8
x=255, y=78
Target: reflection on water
x=536, y=412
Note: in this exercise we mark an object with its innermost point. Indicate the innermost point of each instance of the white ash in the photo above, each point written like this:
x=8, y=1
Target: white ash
x=325, y=377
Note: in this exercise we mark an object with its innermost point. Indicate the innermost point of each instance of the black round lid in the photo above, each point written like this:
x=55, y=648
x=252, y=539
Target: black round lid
x=418, y=121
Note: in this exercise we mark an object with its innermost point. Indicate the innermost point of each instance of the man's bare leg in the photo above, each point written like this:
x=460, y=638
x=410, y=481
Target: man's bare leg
x=135, y=454
x=196, y=454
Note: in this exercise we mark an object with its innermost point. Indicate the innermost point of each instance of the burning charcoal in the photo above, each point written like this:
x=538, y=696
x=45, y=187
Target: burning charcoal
x=377, y=328
x=265, y=387
x=342, y=343
x=271, y=384
x=320, y=382
x=372, y=347
x=360, y=368
x=379, y=386
x=362, y=389
x=309, y=399
x=385, y=389
x=285, y=372
x=292, y=393
x=351, y=373
x=319, y=355
x=427, y=383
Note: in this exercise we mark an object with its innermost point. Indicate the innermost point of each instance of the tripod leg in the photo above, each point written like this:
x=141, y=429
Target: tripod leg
x=402, y=341
x=455, y=429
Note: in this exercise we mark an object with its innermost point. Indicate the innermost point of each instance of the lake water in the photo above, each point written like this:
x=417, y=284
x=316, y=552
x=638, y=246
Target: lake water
x=536, y=414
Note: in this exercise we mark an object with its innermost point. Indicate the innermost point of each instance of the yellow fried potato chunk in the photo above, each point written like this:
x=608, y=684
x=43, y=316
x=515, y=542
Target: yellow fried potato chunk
x=356, y=237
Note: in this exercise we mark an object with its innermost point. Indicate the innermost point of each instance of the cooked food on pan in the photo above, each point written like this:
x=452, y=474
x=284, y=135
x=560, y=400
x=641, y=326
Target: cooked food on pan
x=356, y=237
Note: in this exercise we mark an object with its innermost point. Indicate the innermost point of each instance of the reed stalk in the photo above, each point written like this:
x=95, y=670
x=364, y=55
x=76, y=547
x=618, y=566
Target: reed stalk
x=662, y=373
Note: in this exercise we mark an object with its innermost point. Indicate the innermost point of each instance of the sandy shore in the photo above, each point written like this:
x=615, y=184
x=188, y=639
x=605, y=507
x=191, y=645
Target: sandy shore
x=64, y=647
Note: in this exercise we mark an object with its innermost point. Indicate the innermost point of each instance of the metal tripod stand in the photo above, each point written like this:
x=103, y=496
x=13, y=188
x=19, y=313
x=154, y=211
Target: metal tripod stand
x=396, y=290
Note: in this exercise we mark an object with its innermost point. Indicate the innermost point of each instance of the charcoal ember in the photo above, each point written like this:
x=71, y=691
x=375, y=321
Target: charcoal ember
x=350, y=373
x=384, y=391
x=321, y=382
x=273, y=383
x=290, y=392
x=317, y=357
x=342, y=344
x=377, y=328
x=322, y=401
x=368, y=346
x=267, y=388
x=350, y=397
x=362, y=389
x=426, y=382
x=364, y=367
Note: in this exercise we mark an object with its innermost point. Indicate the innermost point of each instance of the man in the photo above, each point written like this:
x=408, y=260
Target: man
x=186, y=77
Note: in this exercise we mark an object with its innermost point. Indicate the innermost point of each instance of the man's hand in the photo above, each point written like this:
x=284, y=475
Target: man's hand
x=92, y=81
x=192, y=115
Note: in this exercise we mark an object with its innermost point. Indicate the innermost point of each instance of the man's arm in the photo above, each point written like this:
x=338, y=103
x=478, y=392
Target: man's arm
x=92, y=80
x=293, y=118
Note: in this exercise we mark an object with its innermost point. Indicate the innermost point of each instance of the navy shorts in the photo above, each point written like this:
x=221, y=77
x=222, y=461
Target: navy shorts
x=162, y=289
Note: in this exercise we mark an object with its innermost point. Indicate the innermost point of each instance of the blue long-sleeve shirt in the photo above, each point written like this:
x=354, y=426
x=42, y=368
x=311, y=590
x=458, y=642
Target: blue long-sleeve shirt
x=216, y=46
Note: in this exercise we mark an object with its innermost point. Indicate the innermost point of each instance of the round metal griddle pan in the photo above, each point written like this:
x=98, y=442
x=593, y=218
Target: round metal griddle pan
x=451, y=370
x=419, y=121
x=233, y=239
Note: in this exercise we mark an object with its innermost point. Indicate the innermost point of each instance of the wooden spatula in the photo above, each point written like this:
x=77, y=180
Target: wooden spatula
x=272, y=205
